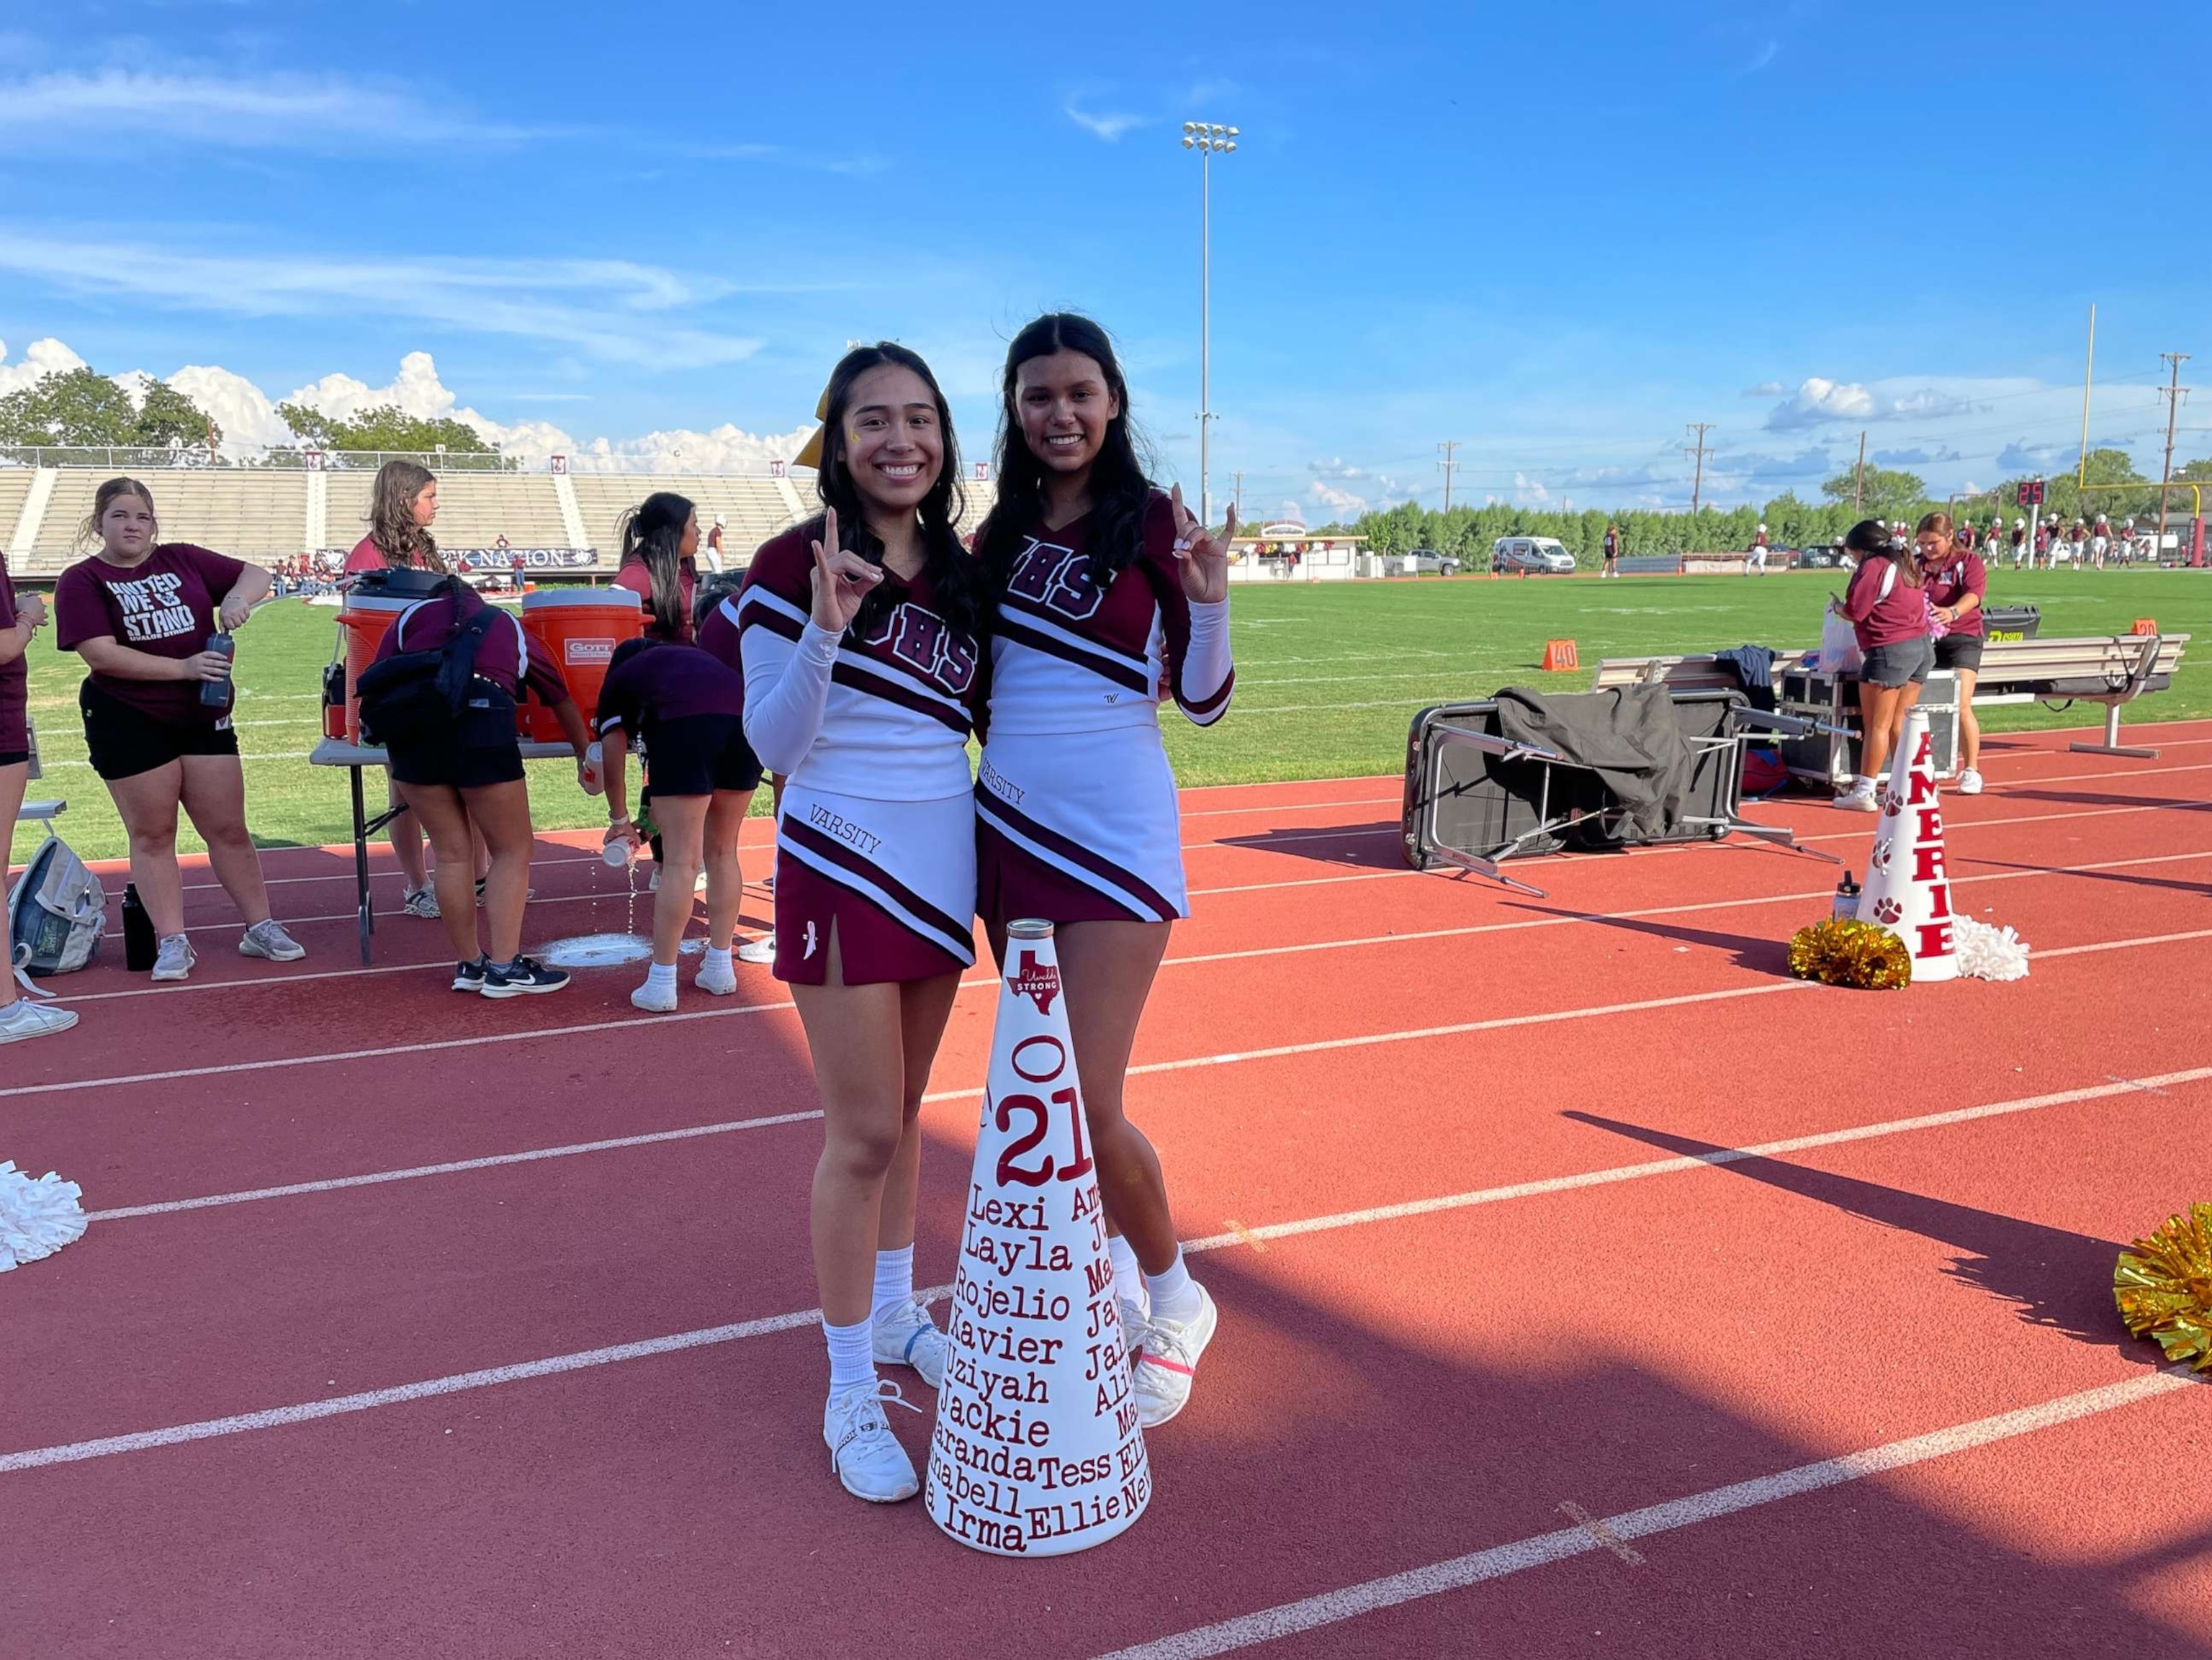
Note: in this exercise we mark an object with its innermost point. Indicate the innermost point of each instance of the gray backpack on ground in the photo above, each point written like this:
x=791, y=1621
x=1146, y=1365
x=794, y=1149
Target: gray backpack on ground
x=58, y=912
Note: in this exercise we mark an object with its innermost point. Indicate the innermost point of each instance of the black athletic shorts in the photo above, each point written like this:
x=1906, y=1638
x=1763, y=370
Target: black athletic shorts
x=1959, y=651
x=13, y=757
x=125, y=742
x=1899, y=662
x=699, y=754
x=483, y=750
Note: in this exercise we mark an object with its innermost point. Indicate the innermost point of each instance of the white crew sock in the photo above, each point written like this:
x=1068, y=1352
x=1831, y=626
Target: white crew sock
x=1862, y=785
x=1175, y=1293
x=894, y=1280
x=660, y=977
x=852, y=1357
x=718, y=962
x=1128, y=1278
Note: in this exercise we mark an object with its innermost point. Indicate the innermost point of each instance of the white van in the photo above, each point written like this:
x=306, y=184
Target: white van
x=1537, y=555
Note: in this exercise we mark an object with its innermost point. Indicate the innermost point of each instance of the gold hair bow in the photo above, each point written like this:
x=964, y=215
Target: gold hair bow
x=809, y=453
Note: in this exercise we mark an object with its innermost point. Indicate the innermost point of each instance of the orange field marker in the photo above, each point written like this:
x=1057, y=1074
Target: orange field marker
x=2145, y=625
x=1559, y=654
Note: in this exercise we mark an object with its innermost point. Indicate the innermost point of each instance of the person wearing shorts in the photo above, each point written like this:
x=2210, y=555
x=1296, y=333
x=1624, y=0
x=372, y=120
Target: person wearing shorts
x=1887, y=609
x=1957, y=586
x=687, y=707
x=470, y=780
x=20, y=1017
x=1612, y=567
x=141, y=612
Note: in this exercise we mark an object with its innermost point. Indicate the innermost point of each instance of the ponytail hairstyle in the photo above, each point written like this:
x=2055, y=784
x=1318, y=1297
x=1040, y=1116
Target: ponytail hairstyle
x=956, y=583
x=1119, y=489
x=391, y=523
x=1870, y=538
x=653, y=536
x=105, y=497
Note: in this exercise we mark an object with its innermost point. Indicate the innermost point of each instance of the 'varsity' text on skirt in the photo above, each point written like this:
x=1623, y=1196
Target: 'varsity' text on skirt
x=1079, y=826
x=896, y=878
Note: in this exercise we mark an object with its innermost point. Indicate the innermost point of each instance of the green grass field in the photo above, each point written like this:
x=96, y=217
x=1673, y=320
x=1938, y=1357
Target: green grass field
x=1328, y=677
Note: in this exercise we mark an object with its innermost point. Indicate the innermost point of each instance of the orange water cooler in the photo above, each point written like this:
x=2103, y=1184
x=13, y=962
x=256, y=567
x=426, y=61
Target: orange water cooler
x=580, y=629
x=372, y=605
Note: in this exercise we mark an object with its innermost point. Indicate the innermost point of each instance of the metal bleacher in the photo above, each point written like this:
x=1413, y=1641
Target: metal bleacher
x=753, y=509
x=14, y=487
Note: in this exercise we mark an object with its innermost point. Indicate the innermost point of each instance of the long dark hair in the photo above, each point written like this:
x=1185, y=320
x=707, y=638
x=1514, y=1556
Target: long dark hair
x=1119, y=489
x=653, y=536
x=956, y=583
x=391, y=523
x=1870, y=537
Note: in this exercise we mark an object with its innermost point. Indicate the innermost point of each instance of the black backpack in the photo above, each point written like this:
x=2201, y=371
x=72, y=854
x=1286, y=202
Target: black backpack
x=414, y=697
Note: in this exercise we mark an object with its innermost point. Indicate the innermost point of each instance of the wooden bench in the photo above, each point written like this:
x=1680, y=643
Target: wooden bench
x=2112, y=669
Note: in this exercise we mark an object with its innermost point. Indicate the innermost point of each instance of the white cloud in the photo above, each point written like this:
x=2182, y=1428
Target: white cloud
x=40, y=359
x=1817, y=402
x=1342, y=504
x=1110, y=127
x=1765, y=389
x=616, y=311
x=238, y=111
x=1529, y=492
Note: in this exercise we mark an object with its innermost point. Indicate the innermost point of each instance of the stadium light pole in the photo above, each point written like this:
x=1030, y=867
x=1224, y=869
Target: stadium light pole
x=1206, y=138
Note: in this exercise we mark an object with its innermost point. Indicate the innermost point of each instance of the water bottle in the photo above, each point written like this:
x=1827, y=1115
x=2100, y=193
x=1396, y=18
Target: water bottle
x=215, y=693
x=140, y=948
x=1846, y=908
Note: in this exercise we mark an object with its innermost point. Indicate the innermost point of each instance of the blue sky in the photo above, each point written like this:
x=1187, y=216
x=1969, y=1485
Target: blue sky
x=1554, y=233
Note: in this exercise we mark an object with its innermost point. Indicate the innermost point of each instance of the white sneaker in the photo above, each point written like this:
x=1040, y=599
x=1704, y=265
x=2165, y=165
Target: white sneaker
x=869, y=1462
x=653, y=883
x=1859, y=801
x=699, y=882
x=653, y=1001
x=420, y=902
x=268, y=939
x=24, y=1019
x=1970, y=782
x=1164, y=1373
x=1135, y=1322
x=905, y=1336
x=760, y=950
x=177, y=959
x=722, y=984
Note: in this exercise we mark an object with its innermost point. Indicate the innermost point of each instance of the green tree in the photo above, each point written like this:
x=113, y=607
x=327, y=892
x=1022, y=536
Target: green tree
x=386, y=427
x=1882, y=492
x=84, y=407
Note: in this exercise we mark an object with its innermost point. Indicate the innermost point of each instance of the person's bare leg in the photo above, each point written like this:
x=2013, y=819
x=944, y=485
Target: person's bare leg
x=501, y=814
x=683, y=821
x=147, y=803
x=924, y=1007
x=1970, y=727
x=214, y=794
x=437, y=808
x=1877, y=728
x=14, y=780
x=726, y=881
x=405, y=835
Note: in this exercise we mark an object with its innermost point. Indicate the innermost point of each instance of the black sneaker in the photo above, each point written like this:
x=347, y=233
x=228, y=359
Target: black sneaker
x=523, y=978
x=469, y=976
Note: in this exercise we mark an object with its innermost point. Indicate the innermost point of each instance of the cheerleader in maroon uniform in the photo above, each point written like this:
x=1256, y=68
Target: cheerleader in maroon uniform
x=858, y=639
x=1109, y=592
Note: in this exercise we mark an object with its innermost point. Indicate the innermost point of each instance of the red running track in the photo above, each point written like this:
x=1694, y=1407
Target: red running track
x=1509, y=1363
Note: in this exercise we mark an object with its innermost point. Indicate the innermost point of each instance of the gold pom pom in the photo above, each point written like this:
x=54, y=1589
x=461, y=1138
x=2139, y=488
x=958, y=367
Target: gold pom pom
x=1850, y=953
x=2164, y=1287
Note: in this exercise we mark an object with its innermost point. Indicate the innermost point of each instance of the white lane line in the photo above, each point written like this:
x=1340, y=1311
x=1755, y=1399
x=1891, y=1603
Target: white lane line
x=1499, y=1561
x=399, y=1394
x=1292, y=807
x=1599, y=1531
x=450, y=1167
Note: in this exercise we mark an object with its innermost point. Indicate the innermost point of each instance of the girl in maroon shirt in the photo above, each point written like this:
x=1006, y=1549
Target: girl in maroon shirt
x=1958, y=583
x=473, y=781
x=19, y=619
x=1886, y=606
x=141, y=613
x=403, y=506
x=659, y=548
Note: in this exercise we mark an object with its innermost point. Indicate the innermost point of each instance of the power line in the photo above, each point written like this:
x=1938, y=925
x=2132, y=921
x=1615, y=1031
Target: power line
x=1445, y=450
x=1697, y=485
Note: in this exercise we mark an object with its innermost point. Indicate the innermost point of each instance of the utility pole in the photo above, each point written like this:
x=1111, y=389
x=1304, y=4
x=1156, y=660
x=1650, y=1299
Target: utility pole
x=1445, y=450
x=1236, y=493
x=1697, y=429
x=2175, y=391
x=1858, y=478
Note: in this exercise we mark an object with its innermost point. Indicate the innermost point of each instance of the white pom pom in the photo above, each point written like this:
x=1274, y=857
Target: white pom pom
x=37, y=1217
x=1989, y=953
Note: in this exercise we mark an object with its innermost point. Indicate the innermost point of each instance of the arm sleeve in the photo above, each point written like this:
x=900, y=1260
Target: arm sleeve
x=787, y=690
x=619, y=704
x=1202, y=672
x=1858, y=594
x=1977, y=576
x=78, y=614
x=539, y=672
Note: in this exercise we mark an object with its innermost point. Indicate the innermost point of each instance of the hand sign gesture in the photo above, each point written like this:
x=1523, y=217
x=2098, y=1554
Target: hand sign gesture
x=841, y=580
x=1202, y=556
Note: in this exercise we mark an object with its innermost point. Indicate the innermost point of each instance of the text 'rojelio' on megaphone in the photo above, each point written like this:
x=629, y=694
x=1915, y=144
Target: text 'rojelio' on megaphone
x=1037, y=1450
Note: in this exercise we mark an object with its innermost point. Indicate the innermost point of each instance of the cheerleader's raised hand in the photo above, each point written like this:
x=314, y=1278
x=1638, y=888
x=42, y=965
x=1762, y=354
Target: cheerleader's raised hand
x=1202, y=556
x=842, y=579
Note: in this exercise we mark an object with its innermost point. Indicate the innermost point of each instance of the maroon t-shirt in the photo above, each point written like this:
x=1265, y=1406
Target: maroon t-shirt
x=634, y=578
x=1882, y=619
x=1963, y=574
x=508, y=658
x=657, y=681
x=14, y=686
x=164, y=606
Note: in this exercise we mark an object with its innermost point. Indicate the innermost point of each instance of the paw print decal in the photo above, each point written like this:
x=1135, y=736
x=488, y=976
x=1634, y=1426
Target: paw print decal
x=1891, y=804
x=1887, y=910
x=1880, y=857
